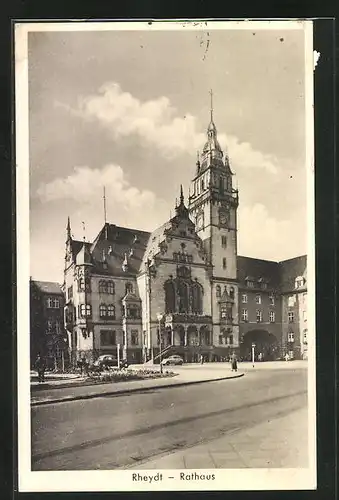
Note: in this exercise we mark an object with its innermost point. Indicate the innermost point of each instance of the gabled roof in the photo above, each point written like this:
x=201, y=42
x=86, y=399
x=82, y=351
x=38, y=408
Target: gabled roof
x=259, y=270
x=115, y=243
x=48, y=287
x=290, y=270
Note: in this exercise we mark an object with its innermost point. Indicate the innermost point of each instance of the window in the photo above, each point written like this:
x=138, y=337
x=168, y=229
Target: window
x=258, y=298
x=221, y=339
x=106, y=287
x=50, y=326
x=305, y=315
x=53, y=303
x=305, y=336
x=291, y=317
x=224, y=264
x=272, y=300
x=102, y=310
x=169, y=297
x=57, y=327
x=232, y=292
x=299, y=282
x=290, y=337
x=183, y=296
x=291, y=354
x=244, y=298
x=196, y=297
x=259, y=316
x=70, y=292
x=133, y=312
x=231, y=339
x=224, y=241
x=272, y=316
x=134, y=337
x=250, y=284
x=218, y=291
x=244, y=315
x=264, y=286
x=291, y=300
x=226, y=312
x=129, y=288
x=85, y=310
x=81, y=285
x=107, y=337
x=111, y=311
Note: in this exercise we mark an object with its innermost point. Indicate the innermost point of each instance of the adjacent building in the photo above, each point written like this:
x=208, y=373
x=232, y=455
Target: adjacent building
x=47, y=333
x=183, y=288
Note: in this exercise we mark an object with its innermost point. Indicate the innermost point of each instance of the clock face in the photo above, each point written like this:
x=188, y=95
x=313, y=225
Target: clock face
x=223, y=217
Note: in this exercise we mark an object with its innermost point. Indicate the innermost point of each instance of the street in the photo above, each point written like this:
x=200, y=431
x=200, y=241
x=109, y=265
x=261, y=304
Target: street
x=122, y=431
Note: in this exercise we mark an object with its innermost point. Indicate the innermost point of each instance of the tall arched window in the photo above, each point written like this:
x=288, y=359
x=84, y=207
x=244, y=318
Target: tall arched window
x=183, y=297
x=169, y=296
x=218, y=291
x=196, y=291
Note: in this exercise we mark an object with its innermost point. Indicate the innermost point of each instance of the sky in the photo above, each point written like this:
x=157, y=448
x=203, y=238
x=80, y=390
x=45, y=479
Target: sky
x=129, y=110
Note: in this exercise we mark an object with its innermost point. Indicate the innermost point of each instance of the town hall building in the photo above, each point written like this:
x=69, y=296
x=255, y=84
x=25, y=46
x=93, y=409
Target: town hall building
x=183, y=289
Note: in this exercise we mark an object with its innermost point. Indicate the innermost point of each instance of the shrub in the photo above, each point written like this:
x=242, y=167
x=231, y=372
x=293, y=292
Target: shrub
x=115, y=375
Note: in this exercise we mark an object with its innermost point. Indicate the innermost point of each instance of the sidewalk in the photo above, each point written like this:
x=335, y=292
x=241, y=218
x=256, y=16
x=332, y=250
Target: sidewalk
x=279, y=443
x=185, y=377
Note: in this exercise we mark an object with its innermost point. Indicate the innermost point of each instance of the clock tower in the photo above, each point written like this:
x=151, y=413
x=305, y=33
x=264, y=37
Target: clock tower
x=213, y=204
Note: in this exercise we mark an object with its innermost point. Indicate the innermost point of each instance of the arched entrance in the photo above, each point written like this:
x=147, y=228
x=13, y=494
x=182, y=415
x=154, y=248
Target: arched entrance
x=266, y=344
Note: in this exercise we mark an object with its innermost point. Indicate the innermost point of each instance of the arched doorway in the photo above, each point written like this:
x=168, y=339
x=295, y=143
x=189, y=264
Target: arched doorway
x=179, y=335
x=193, y=343
x=205, y=336
x=265, y=343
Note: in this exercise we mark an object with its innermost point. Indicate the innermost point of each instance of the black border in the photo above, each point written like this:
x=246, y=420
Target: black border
x=324, y=42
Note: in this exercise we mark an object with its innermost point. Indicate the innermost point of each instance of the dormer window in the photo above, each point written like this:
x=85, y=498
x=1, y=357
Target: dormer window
x=299, y=282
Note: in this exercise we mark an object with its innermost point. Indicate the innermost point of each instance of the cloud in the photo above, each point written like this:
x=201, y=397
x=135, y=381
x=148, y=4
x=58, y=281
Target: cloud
x=126, y=204
x=265, y=237
x=84, y=182
x=157, y=124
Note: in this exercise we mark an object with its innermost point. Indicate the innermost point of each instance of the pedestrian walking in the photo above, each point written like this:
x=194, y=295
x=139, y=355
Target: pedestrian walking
x=234, y=363
x=40, y=366
x=201, y=359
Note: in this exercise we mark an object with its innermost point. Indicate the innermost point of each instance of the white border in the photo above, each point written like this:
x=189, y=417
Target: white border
x=120, y=480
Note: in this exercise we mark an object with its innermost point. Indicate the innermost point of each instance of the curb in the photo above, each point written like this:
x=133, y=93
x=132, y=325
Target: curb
x=127, y=391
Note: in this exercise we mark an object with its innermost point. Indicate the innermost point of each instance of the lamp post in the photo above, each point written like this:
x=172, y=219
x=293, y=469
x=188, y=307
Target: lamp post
x=253, y=347
x=159, y=317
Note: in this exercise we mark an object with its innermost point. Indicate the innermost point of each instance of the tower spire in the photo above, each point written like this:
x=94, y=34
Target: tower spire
x=211, y=94
x=181, y=195
x=68, y=229
x=104, y=199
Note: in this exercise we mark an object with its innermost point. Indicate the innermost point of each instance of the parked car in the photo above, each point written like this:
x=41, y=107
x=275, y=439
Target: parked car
x=173, y=360
x=107, y=361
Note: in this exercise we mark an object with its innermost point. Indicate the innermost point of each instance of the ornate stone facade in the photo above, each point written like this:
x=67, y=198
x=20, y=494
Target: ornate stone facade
x=179, y=289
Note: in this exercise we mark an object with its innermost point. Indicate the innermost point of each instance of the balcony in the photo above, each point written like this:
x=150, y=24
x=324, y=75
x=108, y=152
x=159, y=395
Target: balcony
x=187, y=318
